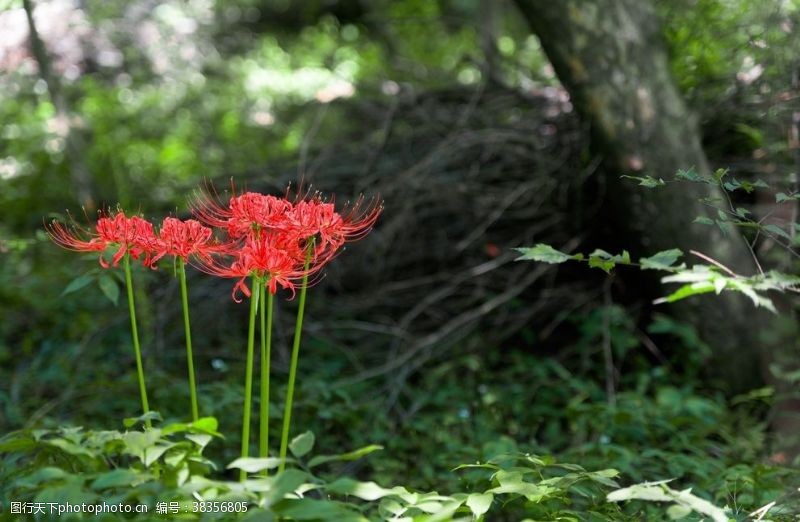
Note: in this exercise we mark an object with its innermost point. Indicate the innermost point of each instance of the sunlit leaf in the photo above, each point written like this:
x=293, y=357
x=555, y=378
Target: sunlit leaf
x=544, y=254
x=663, y=260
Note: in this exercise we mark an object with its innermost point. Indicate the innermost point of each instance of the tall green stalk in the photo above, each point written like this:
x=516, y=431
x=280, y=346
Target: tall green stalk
x=188, y=335
x=248, y=375
x=266, y=354
x=135, y=334
x=298, y=329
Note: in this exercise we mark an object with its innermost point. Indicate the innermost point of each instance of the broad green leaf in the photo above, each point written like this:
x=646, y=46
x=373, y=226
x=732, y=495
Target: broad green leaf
x=201, y=439
x=254, y=465
x=116, y=478
x=153, y=453
x=479, y=503
x=369, y=490
x=78, y=283
x=42, y=475
x=389, y=508
x=302, y=444
x=109, y=287
x=313, y=509
x=17, y=441
x=604, y=477
x=660, y=492
x=444, y=511
x=206, y=424
x=71, y=492
x=677, y=512
x=70, y=447
x=352, y=455
x=662, y=260
x=544, y=254
x=283, y=484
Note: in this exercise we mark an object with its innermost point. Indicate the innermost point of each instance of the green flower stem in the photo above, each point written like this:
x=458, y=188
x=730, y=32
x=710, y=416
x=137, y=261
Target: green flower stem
x=188, y=332
x=266, y=354
x=135, y=334
x=298, y=329
x=248, y=376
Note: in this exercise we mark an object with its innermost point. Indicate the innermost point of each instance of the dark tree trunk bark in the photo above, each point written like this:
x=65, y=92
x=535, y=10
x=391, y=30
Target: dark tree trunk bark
x=610, y=56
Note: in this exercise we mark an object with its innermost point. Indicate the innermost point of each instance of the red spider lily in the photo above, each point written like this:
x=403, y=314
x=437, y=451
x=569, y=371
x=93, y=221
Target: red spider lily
x=268, y=256
x=183, y=239
x=317, y=219
x=244, y=213
x=132, y=235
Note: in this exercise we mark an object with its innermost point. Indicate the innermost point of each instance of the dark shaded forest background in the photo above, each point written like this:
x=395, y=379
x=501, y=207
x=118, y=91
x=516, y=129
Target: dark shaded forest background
x=484, y=125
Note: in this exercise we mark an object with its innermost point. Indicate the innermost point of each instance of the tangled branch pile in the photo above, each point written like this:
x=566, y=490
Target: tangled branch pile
x=466, y=177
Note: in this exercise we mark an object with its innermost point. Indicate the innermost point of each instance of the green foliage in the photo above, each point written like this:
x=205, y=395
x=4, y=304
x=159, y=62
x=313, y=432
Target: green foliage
x=166, y=465
x=700, y=278
x=684, y=502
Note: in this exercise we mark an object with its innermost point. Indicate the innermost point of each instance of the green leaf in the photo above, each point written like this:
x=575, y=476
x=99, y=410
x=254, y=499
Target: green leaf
x=78, y=283
x=254, y=465
x=312, y=509
x=109, y=287
x=153, y=453
x=43, y=475
x=201, y=439
x=283, y=484
x=719, y=174
x=782, y=197
x=115, y=478
x=677, y=512
x=703, y=220
x=364, y=490
x=688, y=290
x=544, y=254
x=302, y=444
x=659, y=492
x=129, y=422
x=663, y=260
x=206, y=425
x=691, y=175
x=647, y=181
x=776, y=230
x=606, y=262
x=479, y=503
x=352, y=455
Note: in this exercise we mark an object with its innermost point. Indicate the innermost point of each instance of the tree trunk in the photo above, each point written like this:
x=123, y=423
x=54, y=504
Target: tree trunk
x=74, y=147
x=610, y=56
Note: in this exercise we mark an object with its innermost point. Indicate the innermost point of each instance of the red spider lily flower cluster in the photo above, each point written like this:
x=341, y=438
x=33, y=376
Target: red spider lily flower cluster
x=136, y=236
x=183, y=239
x=272, y=238
x=276, y=240
x=132, y=235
